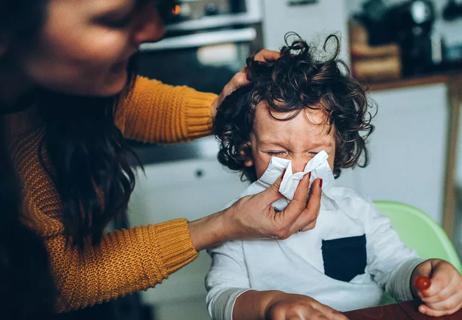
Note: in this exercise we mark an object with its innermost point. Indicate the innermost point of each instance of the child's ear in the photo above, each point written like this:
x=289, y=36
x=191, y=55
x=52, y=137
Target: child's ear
x=246, y=154
x=248, y=163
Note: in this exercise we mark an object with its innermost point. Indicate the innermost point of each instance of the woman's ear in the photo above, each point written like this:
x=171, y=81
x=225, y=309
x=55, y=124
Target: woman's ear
x=246, y=154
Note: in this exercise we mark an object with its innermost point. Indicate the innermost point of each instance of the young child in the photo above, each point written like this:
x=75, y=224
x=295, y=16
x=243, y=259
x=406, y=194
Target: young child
x=302, y=115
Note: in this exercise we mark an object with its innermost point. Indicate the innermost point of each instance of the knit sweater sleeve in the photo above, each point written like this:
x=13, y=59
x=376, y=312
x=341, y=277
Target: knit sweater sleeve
x=156, y=112
x=124, y=262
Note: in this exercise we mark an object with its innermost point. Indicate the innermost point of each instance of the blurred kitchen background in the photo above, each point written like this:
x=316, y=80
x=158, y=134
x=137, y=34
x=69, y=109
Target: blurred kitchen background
x=409, y=55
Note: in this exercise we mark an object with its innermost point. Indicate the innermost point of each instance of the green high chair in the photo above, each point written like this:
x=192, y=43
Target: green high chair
x=419, y=232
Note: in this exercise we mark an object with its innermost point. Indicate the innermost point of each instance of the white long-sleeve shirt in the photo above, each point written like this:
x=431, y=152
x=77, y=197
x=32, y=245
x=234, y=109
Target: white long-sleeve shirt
x=347, y=261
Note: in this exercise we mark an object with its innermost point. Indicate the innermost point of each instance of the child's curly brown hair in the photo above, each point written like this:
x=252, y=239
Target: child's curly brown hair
x=295, y=81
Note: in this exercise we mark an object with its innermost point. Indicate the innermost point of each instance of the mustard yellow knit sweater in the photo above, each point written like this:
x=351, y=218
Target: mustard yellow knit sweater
x=129, y=260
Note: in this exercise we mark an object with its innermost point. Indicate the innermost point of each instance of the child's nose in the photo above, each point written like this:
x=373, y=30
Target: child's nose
x=298, y=164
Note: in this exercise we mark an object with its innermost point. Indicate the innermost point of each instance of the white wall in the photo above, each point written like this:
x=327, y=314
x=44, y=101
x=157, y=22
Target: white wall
x=407, y=149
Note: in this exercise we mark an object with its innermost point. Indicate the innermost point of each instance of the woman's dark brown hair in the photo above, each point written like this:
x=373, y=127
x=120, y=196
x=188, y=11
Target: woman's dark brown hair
x=295, y=81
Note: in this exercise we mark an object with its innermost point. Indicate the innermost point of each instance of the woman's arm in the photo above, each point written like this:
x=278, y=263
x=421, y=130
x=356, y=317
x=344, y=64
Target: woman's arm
x=124, y=262
x=156, y=112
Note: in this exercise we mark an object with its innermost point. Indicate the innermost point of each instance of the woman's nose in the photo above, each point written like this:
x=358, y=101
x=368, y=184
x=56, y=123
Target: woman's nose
x=150, y=26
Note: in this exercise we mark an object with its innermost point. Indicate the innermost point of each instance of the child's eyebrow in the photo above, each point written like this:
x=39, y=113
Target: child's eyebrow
x=272, y=144
x=318, y=143
x=313, y=145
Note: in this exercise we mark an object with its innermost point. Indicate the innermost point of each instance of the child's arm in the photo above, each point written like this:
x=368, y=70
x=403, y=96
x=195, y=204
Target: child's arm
x=230, y=297
x=253, y=305
x=389, y=260
x=226, y=279
x=444, y=296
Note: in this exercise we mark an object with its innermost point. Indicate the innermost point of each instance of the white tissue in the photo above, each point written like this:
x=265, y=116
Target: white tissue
x=318, y=166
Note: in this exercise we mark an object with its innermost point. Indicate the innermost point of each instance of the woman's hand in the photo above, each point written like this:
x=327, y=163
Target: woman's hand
x=254, y=216
x=278, y=305
x=444, y=296
x=240, y=78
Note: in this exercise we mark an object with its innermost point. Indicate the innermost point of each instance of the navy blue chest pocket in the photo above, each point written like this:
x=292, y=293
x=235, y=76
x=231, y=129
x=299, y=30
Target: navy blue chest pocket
x=344, y=258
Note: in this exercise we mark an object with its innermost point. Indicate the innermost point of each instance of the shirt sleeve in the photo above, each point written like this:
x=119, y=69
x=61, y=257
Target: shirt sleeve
x=399, y=284
x=390, y=261
x=226, y=280
x=155, y=112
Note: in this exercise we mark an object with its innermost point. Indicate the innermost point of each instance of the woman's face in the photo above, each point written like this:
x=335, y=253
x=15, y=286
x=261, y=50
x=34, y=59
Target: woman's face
x=85, y=45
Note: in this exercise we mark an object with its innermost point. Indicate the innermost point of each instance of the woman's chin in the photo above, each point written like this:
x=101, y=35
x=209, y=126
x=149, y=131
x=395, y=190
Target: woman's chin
x=114, y=85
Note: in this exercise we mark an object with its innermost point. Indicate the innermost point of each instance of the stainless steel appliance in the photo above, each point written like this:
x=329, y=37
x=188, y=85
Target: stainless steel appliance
x=206, y=42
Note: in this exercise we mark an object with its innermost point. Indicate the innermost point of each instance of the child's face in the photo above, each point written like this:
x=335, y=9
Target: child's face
x=298, y=139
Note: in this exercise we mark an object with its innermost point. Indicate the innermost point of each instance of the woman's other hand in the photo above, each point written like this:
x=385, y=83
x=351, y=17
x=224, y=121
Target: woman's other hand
x=240, y=78
x=444, y=295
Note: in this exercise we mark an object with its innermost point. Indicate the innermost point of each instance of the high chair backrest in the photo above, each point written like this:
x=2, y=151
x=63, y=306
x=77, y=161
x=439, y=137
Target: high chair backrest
x=419, y=232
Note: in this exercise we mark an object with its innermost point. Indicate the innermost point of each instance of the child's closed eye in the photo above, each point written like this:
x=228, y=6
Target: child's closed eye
x=277, y=153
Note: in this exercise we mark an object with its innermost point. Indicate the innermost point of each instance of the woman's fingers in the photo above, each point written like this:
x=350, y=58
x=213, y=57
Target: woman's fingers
x=308, y=221
x=240, y=78
x=257, y=213
x=267, y=55
x=303, y=210
x=237, y=81
x=300, y=199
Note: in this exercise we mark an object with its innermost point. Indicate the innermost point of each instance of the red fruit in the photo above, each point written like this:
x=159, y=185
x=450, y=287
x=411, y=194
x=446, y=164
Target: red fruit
x=422, y=283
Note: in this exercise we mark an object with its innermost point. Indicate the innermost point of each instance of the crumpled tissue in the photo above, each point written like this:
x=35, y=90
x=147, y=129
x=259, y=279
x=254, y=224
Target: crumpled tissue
x=318, y=166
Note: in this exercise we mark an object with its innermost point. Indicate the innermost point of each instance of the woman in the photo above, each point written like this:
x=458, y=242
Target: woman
x=24, y=269
x=63, y=73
